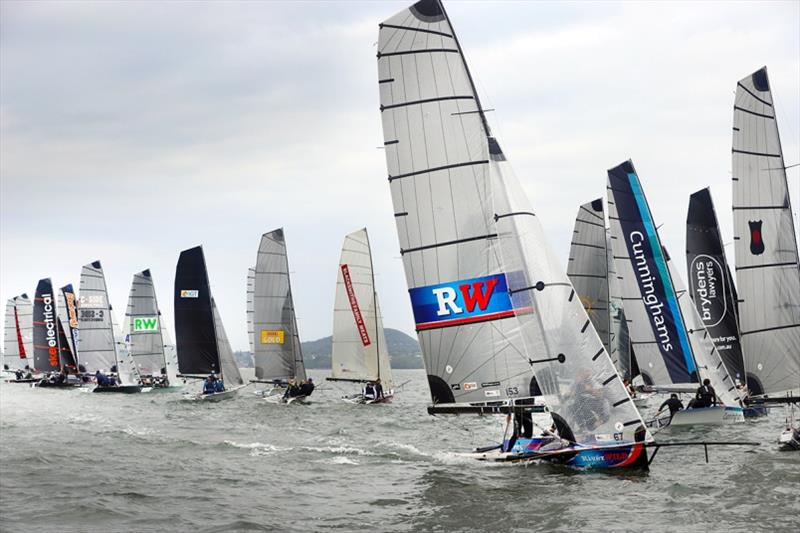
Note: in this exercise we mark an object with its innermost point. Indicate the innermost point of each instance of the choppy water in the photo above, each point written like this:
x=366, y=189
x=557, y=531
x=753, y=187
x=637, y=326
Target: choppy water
x=72, y=461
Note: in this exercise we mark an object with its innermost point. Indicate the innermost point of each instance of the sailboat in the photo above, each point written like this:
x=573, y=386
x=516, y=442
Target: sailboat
x=500, y=326
x=277, y=353
x=68, y=315
x=51, y=352
x=765, y=244
x=145, y=342
x=359, y=350
x=18, y=337
x=592, y=271
x=673, y=348
x=98, y=349
x=203, y=347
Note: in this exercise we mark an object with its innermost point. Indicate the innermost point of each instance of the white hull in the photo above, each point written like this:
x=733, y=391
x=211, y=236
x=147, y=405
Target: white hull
x=360, y=400
x=716, y=415
x=215, y=397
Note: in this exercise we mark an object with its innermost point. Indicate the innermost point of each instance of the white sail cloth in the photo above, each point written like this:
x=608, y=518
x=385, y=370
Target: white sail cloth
x=97, y=348
x=767, y=271
x=359, y=349
x=230, y=371
x=143, y=323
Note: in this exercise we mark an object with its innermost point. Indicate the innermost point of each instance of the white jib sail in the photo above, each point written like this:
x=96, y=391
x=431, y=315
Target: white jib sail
x=25, y=318
x=143, y=323
x=11, y=350
x=230, y=371
x=359, y=350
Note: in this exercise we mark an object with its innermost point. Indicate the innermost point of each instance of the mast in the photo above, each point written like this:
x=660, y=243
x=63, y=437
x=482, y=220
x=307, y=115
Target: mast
x=374, y=306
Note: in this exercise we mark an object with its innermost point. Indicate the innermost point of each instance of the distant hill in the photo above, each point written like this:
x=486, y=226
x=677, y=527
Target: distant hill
x=404, y=352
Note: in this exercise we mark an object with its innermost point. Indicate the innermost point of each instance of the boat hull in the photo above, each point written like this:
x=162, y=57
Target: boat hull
x=789, y=440
x=119, y=389
x=215, y=397
x=31, y=380
x=716, y=415
x=627, y=456
x=360, y=400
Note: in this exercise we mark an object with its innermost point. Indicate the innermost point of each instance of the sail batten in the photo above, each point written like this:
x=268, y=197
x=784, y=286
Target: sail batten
x=765, y=244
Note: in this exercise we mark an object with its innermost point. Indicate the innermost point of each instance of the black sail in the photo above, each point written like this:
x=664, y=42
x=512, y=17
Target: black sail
x=65, y=352
x=196, y=338
x=710, y=282
x=45, y=331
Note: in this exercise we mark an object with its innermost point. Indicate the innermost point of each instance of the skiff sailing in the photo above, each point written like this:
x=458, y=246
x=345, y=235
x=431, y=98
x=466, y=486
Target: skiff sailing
x=359, y=352
x=499, y=323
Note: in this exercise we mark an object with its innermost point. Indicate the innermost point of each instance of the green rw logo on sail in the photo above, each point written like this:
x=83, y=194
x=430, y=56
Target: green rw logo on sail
x=145, y=323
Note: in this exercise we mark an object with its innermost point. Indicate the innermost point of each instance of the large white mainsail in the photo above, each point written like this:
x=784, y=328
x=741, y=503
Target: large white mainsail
x=359, y=350
x=277, y=351
x=143, y=320
x=251, y=275
x=228, y=368
x=490, y=300
x=97, y=346
x=767, y=271
x=588, y=267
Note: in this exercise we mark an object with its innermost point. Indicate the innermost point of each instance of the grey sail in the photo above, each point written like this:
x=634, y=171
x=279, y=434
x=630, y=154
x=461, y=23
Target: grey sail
x=230, y=372
x=492, y=306
x=251, y=274
x=68, y=315
x=359, y=351
x=588, y=267
x=619, y=337
x=143, y=323
x=277, y=351
x=97, y=348
x=765, y=243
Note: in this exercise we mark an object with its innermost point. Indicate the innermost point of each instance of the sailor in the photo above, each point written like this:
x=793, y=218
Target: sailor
x=291, y=389
x=369, y=391
x=705, y=396
x=219, y=385
x=673, y=403
x=208, y=385
x=18, y=373
x=629, y=387
x=101, y=379
x=378, y=389
x=307, y=388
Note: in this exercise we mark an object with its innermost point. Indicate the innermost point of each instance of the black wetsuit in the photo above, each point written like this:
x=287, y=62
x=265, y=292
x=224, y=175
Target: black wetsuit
x=378, y=391
x=674, y=405
x=306, y=389
x=706, y=396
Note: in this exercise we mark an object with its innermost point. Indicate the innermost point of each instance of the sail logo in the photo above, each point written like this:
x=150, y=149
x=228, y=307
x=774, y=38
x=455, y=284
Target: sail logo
x=272, y=336
x=756, y=239
x=461, y=302
x=145, y=323
x=190, y=293
x=649, y=297
x=708, y=288
x=50, y=326
x=351, y=297
x=72, y=313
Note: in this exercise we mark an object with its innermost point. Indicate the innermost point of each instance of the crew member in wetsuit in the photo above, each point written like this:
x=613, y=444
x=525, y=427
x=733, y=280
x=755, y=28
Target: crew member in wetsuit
x=219, y=385
x=101, y=379
x=291, y=389
x=706, y=396
x=378, y=389
x=306, y=388
x=18, y=373
x=208, y=385
x=674, y=405
x=369, y=391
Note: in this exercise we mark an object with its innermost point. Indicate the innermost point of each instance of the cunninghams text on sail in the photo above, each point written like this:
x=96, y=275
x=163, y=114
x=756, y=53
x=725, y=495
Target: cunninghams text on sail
x=654, y=306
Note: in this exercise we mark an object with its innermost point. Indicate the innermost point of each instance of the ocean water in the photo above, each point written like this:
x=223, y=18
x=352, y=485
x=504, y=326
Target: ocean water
x=74, y=461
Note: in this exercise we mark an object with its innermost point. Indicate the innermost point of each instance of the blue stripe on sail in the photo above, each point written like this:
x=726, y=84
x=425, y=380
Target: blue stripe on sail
x=661, y=263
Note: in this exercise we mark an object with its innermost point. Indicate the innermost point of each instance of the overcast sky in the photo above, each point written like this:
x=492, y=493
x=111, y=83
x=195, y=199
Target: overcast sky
x=130, y=131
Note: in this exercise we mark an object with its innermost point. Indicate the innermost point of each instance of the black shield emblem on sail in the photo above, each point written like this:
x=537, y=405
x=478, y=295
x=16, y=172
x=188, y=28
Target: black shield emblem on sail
x=756, y=239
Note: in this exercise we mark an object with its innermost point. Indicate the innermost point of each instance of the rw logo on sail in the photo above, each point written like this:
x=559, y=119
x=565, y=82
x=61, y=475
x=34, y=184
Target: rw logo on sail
x=461, y=302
